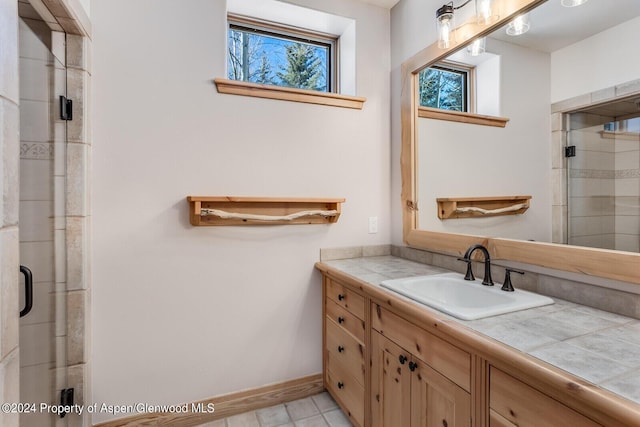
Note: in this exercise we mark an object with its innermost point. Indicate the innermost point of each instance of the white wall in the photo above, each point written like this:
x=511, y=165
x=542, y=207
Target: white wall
x=465, y=160
x=182, y=313
x=604, y=60
x=86, y=4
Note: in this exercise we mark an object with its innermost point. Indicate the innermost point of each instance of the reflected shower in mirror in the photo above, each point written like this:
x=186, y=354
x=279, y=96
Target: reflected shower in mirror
x=604, y=176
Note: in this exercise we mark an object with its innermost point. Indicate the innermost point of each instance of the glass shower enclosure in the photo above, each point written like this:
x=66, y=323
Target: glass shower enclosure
x=43, y=139
x=604, y=176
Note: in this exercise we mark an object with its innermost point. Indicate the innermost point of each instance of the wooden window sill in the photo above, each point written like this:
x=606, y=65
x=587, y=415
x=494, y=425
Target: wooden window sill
x=456, y=116
x=235, y=87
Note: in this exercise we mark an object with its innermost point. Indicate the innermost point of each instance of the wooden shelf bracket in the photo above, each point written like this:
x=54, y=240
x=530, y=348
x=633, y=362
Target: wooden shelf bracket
x=475, y=207
x=230, y=210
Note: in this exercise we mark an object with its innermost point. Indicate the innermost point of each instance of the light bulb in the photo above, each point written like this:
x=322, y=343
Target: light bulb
x=519, y=25
x=572, y=3
x=444, y=24
x=484, y=12
x=477, y=47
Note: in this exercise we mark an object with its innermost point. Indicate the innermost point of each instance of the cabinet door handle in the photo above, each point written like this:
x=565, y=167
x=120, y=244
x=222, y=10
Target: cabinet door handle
x=340, y=319
x=340, y=297
x=412, y=366
x=402, y=359
x=340, y=384
x=340, y=349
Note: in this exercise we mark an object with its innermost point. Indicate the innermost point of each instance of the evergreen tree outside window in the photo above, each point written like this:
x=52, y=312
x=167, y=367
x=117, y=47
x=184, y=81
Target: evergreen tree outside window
x=445, y=88
x=268, y=56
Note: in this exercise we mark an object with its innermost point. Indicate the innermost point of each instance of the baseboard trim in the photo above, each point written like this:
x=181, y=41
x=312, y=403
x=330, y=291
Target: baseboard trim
x=229, y=404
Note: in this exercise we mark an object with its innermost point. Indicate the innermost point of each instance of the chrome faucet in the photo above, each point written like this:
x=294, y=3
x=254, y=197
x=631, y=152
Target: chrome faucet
x=487, y=281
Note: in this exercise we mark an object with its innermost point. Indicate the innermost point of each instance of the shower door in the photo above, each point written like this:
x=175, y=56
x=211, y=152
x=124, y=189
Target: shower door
x=604, y=177
x=42, y=222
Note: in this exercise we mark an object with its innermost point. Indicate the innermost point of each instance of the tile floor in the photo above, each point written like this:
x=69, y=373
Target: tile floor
x=315, y=411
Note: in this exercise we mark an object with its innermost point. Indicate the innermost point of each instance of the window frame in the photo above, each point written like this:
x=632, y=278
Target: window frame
x=295, y=34
x=469, y=72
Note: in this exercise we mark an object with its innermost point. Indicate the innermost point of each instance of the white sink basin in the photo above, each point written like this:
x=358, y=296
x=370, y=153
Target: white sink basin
x=464, y=299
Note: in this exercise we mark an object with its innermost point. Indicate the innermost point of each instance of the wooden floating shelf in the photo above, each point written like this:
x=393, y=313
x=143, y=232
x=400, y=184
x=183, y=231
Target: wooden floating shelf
x=230, y=210
x=477, y=207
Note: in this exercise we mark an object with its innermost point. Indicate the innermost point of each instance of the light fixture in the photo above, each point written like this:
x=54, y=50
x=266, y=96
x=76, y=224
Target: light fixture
x=444, y=24
x=519, y=25
x=572, y=3
x=477, y=47
x=444, y=20
x=484, y=12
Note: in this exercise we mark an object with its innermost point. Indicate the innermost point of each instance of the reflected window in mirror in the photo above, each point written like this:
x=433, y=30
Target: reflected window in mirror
x=445, y=86
x=462, y=83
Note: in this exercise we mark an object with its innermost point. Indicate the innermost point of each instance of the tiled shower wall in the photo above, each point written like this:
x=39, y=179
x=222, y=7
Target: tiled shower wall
x=591, y=183
x=9, y=258
x=622, y=205
x=78, y=223
x=627, y=187
x=604, y=183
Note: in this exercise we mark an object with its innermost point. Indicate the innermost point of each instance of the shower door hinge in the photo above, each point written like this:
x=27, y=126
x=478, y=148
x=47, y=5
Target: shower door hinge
x=66, y=400
x=570, y=151
x=66, y=108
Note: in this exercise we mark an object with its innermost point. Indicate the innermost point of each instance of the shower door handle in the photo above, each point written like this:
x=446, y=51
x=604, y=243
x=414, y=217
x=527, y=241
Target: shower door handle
x=28, y=290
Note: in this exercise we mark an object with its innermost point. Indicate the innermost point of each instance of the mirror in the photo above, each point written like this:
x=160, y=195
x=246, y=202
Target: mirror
x=444, y=159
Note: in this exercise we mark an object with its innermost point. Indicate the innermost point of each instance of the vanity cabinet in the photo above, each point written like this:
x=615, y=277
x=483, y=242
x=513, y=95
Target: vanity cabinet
x=388, y=364
x=344, y=348
x=513, y=403
x=417, y=379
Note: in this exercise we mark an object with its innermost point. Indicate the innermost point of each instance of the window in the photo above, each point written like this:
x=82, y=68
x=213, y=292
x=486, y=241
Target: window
x=274, y=55
x=284, y=45
x=445, y=87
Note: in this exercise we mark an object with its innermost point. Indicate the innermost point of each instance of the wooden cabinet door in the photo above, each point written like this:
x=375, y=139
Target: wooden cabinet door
x=390, y=384
x=436, y=401
x=407, y=392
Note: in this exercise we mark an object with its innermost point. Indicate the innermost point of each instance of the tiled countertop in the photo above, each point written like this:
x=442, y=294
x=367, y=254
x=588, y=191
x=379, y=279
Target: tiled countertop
x=600, y=347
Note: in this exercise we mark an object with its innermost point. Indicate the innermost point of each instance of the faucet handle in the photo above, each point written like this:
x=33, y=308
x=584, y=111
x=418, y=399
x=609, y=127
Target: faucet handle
x=469, y=275
x=507, y=286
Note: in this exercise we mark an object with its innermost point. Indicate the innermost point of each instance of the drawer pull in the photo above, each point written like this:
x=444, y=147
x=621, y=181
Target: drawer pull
x=402, y=359
x=340, y=349
x=340, y=384
x=340, y=319
x=412, y=366
x=340, y=297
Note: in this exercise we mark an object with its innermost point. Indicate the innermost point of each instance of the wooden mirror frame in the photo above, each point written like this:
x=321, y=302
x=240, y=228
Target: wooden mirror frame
x=610, y=264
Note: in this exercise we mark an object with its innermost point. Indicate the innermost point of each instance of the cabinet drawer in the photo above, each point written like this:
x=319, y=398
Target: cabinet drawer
x=344, y=350
x=347, y=392
x=445, y=358
x=346, y=298
x=345, y=319
x=524, y=406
